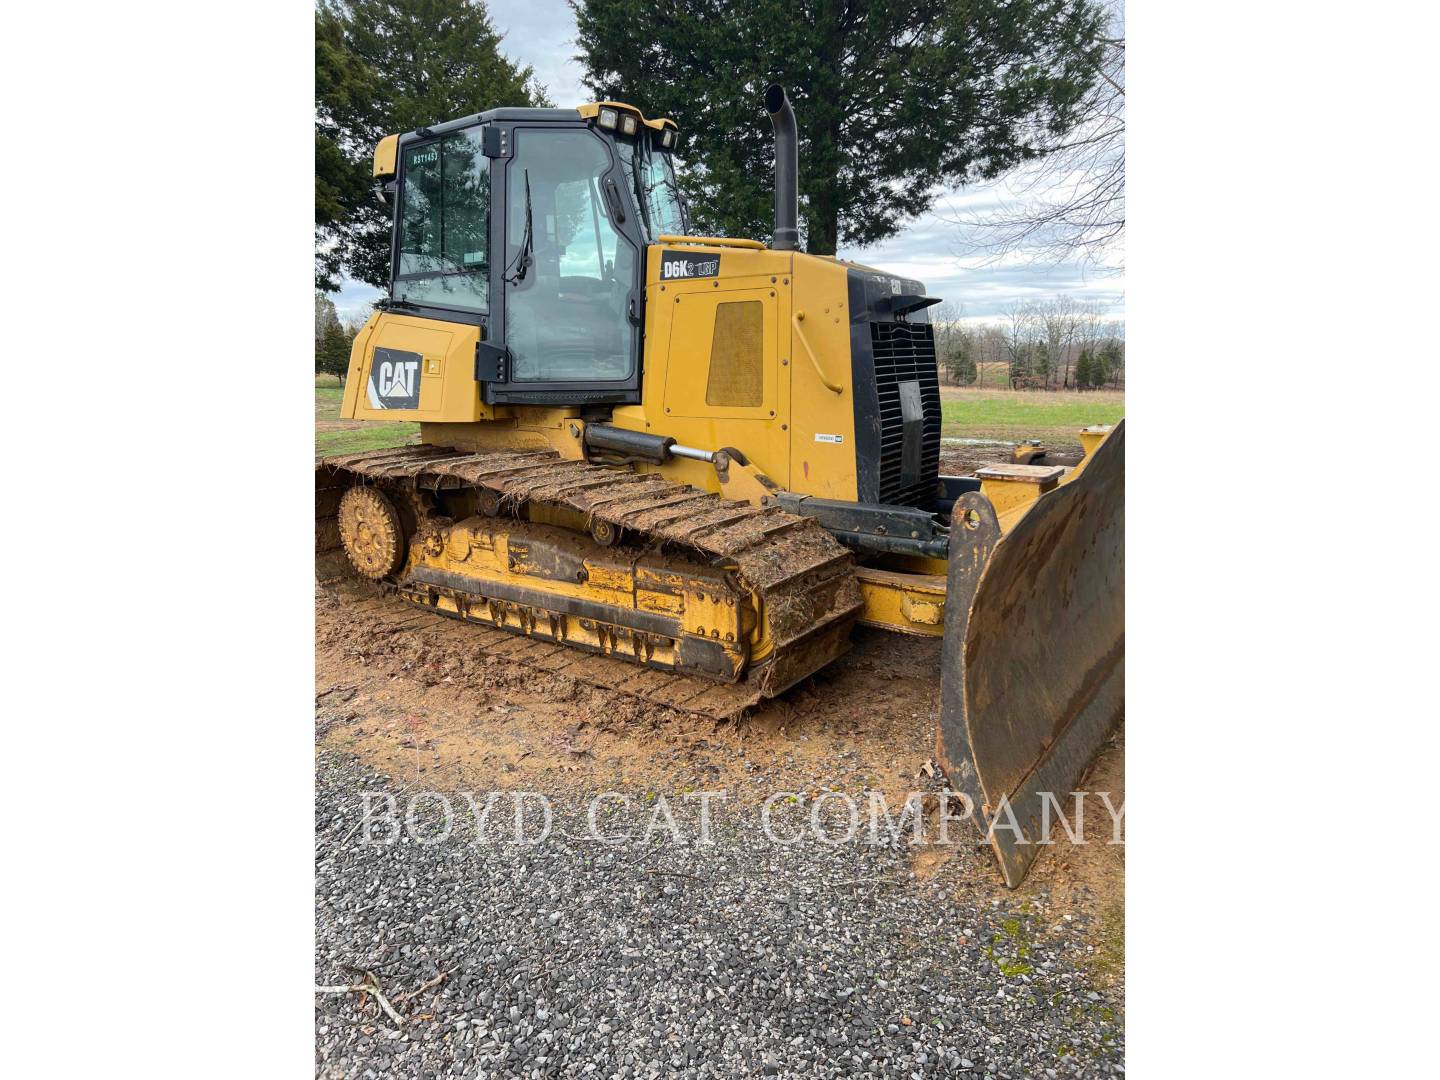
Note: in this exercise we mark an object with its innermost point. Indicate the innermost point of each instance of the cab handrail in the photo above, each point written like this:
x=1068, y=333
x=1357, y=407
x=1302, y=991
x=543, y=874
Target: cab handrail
x=713, y=241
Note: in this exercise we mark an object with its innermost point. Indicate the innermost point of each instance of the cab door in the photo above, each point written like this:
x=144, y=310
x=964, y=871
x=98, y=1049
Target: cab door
x=570, y=324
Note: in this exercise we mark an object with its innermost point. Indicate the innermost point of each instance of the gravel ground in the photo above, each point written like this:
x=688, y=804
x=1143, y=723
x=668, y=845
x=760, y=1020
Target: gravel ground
x=738, y=958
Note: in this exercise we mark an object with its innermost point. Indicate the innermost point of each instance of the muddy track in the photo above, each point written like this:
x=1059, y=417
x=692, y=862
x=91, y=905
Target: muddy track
x=802, y=577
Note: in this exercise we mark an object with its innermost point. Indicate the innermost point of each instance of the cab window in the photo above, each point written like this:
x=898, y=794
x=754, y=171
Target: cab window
x=652, y=178
x=444, y=231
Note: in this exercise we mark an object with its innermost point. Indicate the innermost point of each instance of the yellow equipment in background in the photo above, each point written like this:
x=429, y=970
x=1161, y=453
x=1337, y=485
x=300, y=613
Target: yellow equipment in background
x=704, y=455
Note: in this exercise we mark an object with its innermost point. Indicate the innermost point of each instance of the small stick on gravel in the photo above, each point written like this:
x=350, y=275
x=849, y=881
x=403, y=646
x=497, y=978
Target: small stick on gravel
x=372, y=987
x=673, y=873
x=353, y=829
x=436, y=981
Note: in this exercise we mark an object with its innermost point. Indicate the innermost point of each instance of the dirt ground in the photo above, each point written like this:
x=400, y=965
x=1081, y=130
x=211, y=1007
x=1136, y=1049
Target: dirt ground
x=963, y=460
x=340, y=425
x=408, y=703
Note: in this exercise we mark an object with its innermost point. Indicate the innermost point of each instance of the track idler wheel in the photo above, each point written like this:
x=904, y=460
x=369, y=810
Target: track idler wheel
x=370, y=532
x=604, y=533
x=488, y=502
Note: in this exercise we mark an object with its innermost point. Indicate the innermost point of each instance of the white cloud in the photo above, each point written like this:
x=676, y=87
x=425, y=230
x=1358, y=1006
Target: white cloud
x=353, y=303
x=541, y=33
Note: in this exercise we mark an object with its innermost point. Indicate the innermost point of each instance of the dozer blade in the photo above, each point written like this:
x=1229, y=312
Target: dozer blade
x=1034, y=650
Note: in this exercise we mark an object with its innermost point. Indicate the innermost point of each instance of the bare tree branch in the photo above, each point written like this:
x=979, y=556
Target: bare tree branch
x=1069, y=203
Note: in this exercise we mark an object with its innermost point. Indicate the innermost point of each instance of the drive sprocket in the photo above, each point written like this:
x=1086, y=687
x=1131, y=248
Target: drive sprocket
x=371, y=533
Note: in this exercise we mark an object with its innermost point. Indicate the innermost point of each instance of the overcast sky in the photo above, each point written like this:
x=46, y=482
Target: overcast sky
x=541, y=33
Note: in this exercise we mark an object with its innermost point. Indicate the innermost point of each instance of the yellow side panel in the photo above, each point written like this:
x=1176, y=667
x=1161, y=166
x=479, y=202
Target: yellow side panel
x=436, y=357
x=680, y=335
x=822, y=429
x=516, y=427
x=802, y=435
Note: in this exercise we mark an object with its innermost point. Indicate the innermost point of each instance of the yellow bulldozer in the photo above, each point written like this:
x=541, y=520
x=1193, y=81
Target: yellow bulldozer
x=708, y=457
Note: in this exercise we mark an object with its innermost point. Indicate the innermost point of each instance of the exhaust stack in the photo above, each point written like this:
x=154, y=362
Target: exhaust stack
x=787, y=169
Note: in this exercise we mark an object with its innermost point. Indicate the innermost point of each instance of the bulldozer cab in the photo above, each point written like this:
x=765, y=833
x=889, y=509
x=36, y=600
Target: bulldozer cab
x=532, y=223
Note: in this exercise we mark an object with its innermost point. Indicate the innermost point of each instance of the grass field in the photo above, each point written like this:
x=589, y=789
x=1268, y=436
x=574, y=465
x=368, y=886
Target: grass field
x=1012, y=415
x=369, y=437
x=1005, y=415
x=336, y=436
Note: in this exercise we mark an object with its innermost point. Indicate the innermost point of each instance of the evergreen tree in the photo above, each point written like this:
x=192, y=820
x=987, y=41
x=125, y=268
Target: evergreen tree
x=1113, y=355
x=958, y=359
x=324, y=316
x=1099, y=369
x=1040, y=361
x=332, y=352
x=893, y=99
x=384, y=67
x=1020, y=356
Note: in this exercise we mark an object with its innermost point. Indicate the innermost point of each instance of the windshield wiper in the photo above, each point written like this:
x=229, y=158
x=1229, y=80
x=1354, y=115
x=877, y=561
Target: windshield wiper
x=527, y=242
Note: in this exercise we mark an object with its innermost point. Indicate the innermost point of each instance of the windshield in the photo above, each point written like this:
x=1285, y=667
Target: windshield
x=652, y=176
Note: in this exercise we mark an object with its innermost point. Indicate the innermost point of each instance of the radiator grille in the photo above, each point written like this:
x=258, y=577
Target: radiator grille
x=905, y=352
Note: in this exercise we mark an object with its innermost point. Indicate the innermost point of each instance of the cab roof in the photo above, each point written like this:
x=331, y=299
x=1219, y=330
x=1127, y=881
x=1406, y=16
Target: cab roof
x=388, y=148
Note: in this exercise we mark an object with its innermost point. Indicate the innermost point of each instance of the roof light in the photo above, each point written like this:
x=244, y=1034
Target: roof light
x=628, y=124
x=667, y=140
x=609, y=118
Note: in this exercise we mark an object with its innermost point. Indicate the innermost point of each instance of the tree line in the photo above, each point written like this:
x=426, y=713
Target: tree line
x=333, y=339
x=1067, y=202
x=893, y=101
x=1057, y=344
